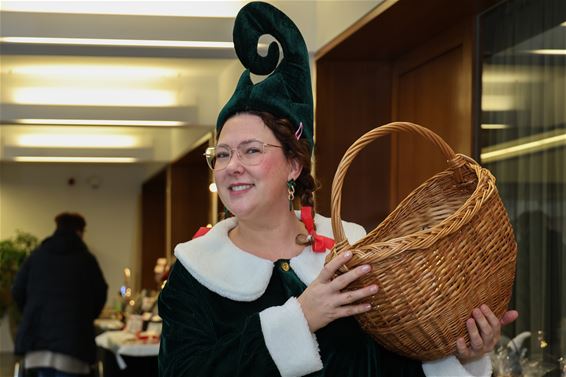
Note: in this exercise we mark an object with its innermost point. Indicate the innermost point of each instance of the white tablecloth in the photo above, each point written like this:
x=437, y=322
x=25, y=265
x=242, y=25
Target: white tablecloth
x=119, y=342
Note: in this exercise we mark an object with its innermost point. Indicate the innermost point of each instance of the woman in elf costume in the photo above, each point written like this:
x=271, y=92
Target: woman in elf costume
x=253, y=296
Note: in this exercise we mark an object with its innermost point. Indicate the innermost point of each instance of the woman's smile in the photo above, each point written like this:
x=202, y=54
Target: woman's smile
x=239, y=187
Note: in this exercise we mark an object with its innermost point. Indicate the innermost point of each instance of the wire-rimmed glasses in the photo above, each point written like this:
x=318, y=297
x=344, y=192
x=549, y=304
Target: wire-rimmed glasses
x=250, y=153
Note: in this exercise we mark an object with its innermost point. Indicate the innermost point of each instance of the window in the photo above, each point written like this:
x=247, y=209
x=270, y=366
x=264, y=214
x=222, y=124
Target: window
x=522, y=140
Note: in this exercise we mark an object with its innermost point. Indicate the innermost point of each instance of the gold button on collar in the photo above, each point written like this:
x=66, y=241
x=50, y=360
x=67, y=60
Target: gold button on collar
x=285, y=266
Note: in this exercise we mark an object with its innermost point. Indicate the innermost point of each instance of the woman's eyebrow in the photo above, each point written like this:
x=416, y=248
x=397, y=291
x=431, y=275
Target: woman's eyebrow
x=247, y=141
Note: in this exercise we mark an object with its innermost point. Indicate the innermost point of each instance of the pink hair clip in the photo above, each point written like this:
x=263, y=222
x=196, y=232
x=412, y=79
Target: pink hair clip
x=299, y=131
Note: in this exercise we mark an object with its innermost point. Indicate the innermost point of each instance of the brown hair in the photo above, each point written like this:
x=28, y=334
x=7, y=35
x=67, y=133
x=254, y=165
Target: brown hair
x=70, y=221
x=293, y=149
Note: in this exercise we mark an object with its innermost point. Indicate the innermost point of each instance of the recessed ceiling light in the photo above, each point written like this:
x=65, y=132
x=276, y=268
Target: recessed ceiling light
x=497, y=102
x=185, y=8
x=119, y=42
x=549, y=51
x=76, y=141
x=523, y=146
x=494, y=126
x=103, y=122
x=93, y=97
x=94, y=71
x=75, y=159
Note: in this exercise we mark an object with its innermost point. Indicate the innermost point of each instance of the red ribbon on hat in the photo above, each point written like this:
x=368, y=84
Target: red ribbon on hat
x=319, y=243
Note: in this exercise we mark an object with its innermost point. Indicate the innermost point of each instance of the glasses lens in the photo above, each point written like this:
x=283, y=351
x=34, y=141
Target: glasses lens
x=251, y=152
x=221, y=157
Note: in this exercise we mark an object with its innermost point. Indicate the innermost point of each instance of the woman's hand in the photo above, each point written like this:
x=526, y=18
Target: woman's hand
x=484, y=330
x=323, y=301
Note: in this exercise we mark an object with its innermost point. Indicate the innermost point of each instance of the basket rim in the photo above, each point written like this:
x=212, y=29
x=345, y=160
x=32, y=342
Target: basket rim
x=485, y=183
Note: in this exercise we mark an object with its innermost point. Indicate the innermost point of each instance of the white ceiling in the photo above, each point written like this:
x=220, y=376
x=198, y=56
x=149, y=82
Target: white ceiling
x=77, y=82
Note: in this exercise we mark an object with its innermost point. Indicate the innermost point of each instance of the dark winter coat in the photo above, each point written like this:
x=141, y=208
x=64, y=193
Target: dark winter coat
x=61, y=290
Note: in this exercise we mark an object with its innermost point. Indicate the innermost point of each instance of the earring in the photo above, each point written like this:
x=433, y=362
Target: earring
x=291, y=192
x=226, y=213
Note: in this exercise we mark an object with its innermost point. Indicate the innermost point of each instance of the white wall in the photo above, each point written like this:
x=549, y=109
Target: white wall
x=321, y=21
x=32, y=194
x=227, y=83
x=334, y=17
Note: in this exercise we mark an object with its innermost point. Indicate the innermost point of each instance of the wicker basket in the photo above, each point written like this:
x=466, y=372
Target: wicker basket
x=447, y=248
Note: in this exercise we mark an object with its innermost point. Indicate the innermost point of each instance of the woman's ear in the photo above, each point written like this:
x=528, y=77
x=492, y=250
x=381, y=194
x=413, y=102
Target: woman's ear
x=295, y=169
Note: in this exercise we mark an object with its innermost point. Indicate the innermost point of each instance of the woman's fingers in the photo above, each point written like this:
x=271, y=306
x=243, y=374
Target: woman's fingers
x=330, y=268
x=350, y=297
x=346, y=311
x=484, y=330
x=509, y=317
x=476, y=340
x=490, y=316
x=491, y=332
x=462, y=349
x=486, y=327
x=342, y=281
x=326, y=299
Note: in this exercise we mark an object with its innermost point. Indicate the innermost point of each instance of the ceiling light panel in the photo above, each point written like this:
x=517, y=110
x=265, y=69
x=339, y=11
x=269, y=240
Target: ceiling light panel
x=30, y=137
x=186, y=8
x=79, y=96
x=549, y=52
x=76, y=141
x=119, y=42
x=523, y=146
x=102, y=122
x=494, y=126
x=493, y=102
x=98, y=71
x=99, y=82
x=105, y=160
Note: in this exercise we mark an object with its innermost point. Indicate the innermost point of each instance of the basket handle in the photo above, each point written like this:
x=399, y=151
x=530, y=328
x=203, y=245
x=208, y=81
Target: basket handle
x=341, y=242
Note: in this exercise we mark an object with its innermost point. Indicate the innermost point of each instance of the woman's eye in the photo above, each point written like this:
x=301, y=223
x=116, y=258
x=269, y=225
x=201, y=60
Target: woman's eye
x=252, y=150
x=222, y=155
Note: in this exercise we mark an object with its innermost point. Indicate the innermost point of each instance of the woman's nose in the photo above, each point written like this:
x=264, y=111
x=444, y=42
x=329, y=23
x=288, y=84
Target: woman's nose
x=235, y=164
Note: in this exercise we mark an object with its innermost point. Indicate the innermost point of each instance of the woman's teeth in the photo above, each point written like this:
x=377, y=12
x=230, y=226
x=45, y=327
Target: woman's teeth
x=240, y=187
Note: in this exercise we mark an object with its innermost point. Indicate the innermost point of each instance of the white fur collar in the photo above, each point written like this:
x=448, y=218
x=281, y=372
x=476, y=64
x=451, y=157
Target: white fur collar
x=225, y=269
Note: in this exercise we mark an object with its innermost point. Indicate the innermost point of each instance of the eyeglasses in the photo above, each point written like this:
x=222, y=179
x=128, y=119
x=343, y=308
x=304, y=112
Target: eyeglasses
x=249, y=152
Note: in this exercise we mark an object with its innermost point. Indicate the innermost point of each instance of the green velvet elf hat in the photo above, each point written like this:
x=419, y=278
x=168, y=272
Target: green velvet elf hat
x=287, y=91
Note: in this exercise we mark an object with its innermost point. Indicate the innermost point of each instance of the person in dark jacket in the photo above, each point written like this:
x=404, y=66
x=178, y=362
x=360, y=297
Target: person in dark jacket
x=60, y=290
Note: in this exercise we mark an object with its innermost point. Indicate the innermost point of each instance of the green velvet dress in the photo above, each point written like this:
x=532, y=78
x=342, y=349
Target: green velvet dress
x=205, y=334
x=227, y=312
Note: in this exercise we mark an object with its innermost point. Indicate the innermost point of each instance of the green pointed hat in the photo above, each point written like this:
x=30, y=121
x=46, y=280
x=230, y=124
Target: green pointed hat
x=286, y=92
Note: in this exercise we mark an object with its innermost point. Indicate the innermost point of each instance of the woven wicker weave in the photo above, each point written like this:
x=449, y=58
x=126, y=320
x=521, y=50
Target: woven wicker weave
x=447, y=248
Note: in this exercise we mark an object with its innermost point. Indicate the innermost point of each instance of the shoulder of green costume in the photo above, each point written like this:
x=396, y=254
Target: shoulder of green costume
x=354, y=232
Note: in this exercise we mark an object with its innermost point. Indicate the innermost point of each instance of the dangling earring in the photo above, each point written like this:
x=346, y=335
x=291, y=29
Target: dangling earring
x=226, y=213
x=291, y=192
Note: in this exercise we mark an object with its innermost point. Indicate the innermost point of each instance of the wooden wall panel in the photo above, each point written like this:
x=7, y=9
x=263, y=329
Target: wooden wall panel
x=153, y=226
x=397, y=26
x=432, y=87
x=190, y=196
x=353, y=98
x=175, y=203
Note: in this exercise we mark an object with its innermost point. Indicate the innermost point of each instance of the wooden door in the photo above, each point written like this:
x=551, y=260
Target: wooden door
x=190, y=198
x=432, y=86
x=352, y=99
x=153, y=226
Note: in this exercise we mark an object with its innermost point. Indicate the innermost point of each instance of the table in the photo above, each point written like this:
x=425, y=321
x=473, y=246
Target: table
x=124, y=355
